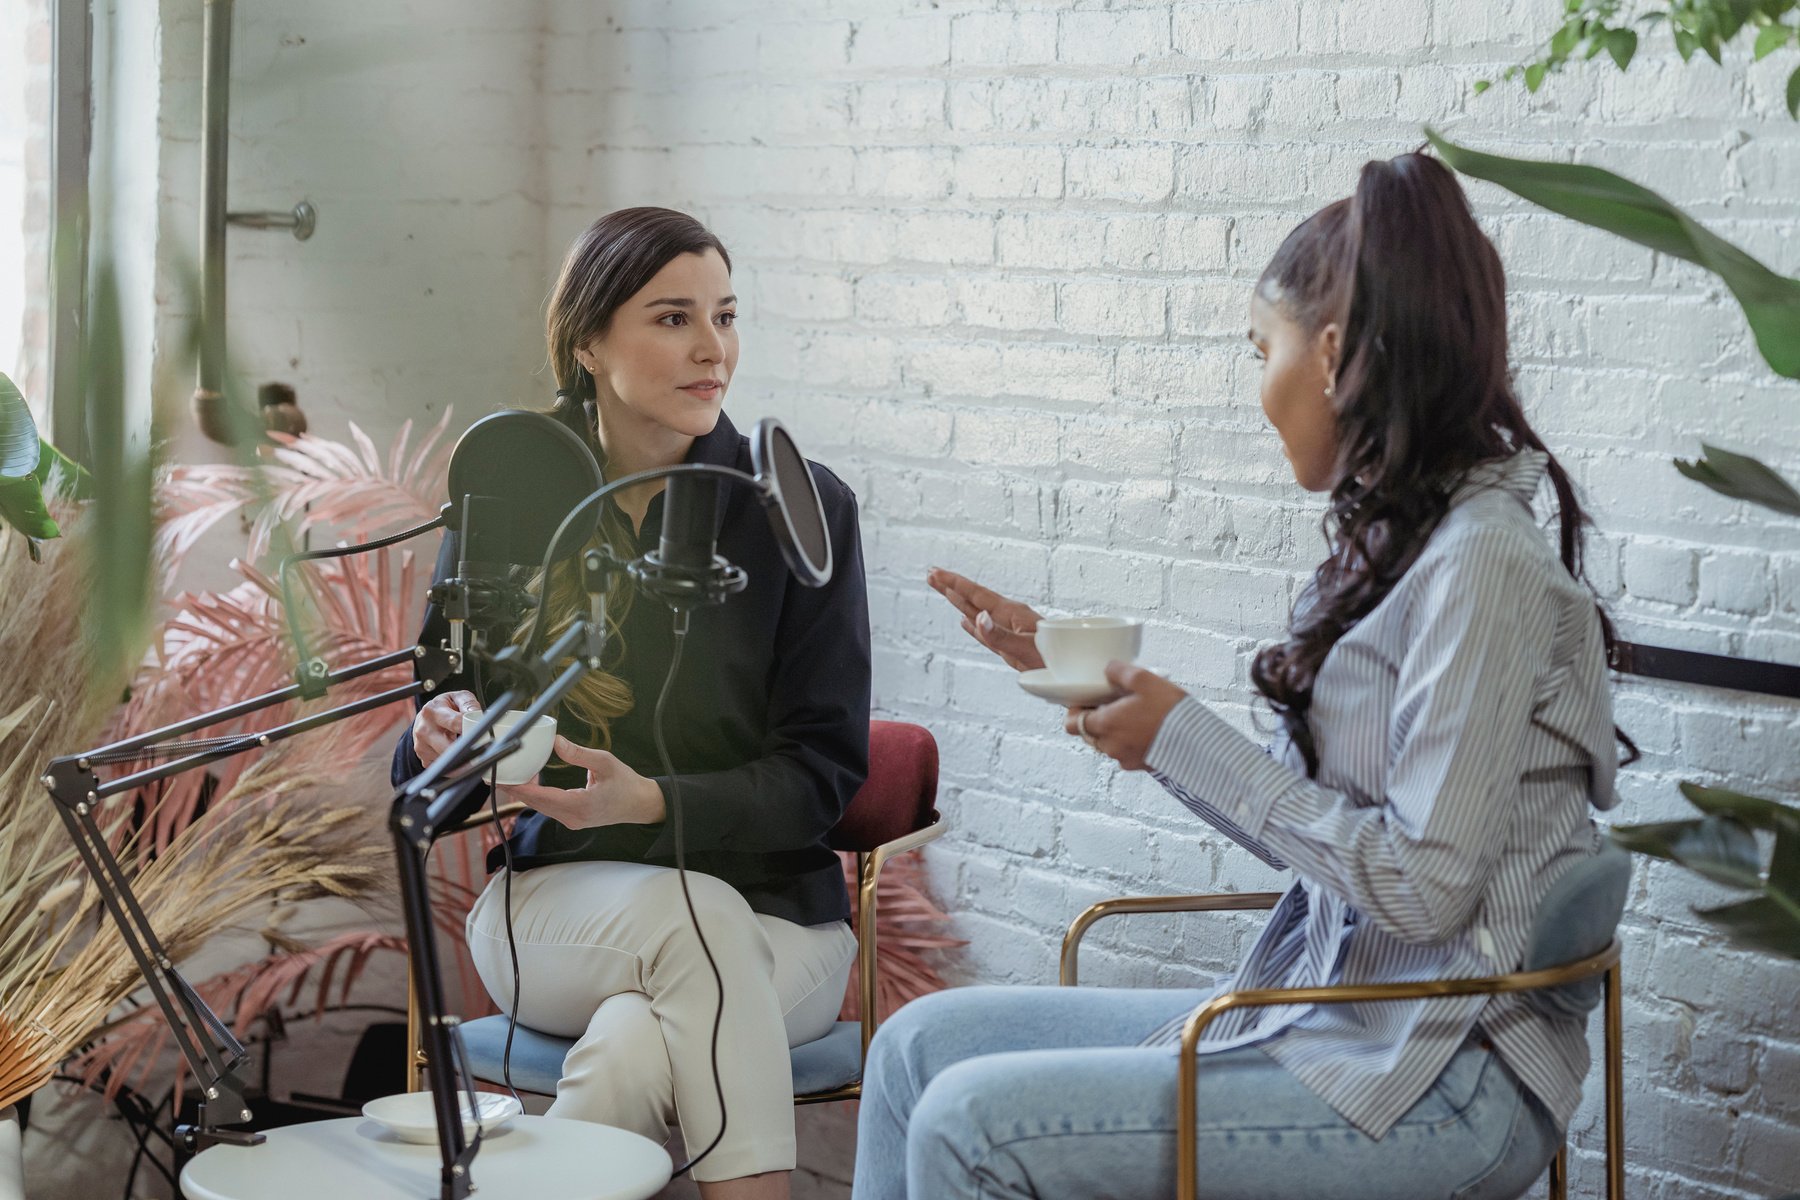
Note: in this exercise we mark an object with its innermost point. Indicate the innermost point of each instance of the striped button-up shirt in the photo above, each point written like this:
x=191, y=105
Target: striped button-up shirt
x=1464, y=732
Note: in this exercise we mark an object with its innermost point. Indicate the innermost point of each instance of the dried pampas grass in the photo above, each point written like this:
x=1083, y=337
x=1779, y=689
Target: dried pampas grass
x=44, y=899
x=242, y=844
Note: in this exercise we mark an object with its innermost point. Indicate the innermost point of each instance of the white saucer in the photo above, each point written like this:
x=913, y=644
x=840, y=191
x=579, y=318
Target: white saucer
x=410, y=1117
x=1078, y=693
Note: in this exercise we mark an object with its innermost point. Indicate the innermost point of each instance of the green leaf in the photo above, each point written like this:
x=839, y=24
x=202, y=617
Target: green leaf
x=1622, y=45
x=1685, y=45
x=1793, y=94
x=1726, y=24
x=1771, y=39
x=119, y=597
x=1741, y=478
x=1534, y=76
x=1607, y=201
x=75, y=481
x=21, y=493
x=1784, y=864
x=1565, y=38
x=1482, y=85
x=22, y=507
x=1754, y=811
x=1762, y=923
x=18, y=433
x=1723, y=849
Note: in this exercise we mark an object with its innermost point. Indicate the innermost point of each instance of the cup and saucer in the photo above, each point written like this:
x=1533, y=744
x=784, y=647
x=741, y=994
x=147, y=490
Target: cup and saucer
x=1075, y=651
x=535, y=743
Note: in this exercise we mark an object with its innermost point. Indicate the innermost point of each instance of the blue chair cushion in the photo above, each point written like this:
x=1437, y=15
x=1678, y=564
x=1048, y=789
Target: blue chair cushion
x=537, y=1058
x=1576, y=919
x=829, y=1063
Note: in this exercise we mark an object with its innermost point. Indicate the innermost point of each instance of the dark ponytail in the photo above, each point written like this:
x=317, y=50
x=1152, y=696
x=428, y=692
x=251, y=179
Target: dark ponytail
x=1424, y=393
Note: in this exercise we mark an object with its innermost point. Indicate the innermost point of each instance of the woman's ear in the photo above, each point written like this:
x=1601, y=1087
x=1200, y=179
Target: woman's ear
x=1329, y=345
x=590, y=361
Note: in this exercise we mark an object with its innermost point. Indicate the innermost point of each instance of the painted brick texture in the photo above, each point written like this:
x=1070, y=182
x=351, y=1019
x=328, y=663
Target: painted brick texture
x=996, y=261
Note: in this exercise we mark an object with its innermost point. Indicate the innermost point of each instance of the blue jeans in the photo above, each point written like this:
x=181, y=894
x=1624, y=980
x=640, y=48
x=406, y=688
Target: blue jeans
x=1016, y=1092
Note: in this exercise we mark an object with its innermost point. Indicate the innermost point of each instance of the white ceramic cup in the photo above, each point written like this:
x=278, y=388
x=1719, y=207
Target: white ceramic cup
x=535, y=744
x=1077, y=649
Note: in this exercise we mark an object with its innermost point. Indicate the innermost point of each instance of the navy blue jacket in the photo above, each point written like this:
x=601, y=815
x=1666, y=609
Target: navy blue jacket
x=767, y=726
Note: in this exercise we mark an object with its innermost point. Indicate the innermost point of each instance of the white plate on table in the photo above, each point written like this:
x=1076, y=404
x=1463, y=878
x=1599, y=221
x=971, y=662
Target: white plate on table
x=410, y=1116
x=1074, y=693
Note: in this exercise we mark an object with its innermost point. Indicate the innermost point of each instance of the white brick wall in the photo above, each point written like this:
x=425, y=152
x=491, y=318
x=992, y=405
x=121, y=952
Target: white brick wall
x=998, y=259
x=995, y=259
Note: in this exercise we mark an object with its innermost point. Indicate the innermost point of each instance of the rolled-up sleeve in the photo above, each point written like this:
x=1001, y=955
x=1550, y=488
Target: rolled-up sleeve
x=1416, y=859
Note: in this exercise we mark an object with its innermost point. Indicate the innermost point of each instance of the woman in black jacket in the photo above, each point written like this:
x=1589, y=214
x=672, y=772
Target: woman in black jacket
x=767, y=725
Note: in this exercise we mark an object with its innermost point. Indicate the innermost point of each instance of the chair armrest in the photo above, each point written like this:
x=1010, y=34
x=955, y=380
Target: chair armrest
x=872, y=863
x=1606, y=963
x=1131, y=905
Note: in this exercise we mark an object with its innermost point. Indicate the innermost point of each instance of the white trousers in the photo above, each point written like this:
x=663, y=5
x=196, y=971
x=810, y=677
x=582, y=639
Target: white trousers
x=608, y=956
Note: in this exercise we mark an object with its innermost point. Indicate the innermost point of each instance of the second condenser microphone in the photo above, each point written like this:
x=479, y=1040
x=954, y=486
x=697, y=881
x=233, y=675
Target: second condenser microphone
x=690, y=513
x=683, y=571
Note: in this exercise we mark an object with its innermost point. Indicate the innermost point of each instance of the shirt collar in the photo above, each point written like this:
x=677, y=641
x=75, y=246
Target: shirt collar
x=720, y=447
x=1518, y=475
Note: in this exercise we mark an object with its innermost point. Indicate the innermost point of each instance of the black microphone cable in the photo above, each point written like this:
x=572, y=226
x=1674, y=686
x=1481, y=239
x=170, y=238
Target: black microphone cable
x=662, y=750
x=512, y=944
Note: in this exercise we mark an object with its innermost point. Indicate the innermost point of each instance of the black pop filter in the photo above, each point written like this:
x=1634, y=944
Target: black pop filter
x=785, y=485
x=520, y=473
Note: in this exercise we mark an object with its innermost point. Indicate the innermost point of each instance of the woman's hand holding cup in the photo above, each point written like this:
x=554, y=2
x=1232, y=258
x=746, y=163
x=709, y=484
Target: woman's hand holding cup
x=439, y=723
x=1124, y=729
x=1006, y=627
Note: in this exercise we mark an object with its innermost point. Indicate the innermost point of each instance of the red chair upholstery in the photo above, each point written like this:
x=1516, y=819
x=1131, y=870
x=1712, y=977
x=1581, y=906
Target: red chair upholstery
x=900, y=795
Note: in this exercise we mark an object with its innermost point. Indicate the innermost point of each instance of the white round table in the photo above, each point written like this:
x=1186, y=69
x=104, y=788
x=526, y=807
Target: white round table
x=533, y=1158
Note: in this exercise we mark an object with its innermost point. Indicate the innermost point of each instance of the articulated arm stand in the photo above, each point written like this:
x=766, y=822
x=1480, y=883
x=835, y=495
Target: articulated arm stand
x=205, y=1041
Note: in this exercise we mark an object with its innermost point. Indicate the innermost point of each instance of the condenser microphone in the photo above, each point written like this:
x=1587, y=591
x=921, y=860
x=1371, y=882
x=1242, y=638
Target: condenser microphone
x=684, y=571
x=690, y=512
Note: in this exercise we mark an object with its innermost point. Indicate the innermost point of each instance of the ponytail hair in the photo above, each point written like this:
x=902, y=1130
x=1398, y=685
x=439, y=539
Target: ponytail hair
x=1424, y=393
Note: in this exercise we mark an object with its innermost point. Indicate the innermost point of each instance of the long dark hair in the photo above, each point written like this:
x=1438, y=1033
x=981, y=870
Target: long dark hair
x=1423, y=394
x=612, y=261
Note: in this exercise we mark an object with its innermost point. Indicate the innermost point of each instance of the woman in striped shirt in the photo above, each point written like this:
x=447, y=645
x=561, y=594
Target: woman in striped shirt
x=1446, y=732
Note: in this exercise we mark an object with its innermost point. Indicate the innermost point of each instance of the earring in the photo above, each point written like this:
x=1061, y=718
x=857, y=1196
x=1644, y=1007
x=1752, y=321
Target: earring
x=1330, y=391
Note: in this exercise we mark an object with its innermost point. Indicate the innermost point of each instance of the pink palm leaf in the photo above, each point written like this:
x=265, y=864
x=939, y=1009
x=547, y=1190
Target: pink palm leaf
x=308, y=483
x=222, y=647
x=246, y=993
x=907, y=926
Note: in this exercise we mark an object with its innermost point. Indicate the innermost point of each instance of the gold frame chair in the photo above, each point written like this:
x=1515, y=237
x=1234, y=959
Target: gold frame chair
x=1604, y=964
x=869, y=866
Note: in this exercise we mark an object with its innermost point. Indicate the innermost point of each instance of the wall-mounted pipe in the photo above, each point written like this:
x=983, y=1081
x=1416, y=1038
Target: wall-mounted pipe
x=215, y=125
x=215, y=109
